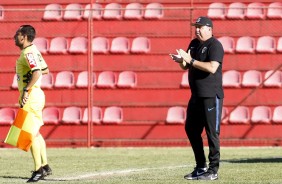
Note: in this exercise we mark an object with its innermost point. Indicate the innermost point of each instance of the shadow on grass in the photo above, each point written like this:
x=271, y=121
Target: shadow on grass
x=254, y=160
x=26, y=178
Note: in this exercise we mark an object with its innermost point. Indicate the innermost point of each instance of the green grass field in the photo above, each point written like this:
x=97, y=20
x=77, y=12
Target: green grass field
x=143, y=165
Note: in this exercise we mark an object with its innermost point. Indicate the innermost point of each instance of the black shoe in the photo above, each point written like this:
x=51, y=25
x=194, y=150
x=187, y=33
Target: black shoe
x=47, y=170
x=36, y=175
x=196, y=173
x=209, y=175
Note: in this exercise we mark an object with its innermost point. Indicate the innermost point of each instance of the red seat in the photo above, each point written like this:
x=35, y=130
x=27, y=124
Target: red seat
x=15, y=82
x=72, y=115
x=277, y=114
x=252, y=78
x=245, y=44
x=224, y=115
x=236, y=11
x=217, y=10
x=279, y=45
x=228, y=44
x=53, y=12
x=73, y=12
x=82, y=79
x=58, y=45
x=42, y=44
x=113, y=115
x=231, y=78
x=154, y=11
x=64, y=79
x=78, y=45
x=127, y=79
x=184, y=80
x=51, y=115
x=97, y=12
x=47, y=81
x=141, y=45
x=120, y=45
x=266, y=44
x=7, y=116
x=240, y=114
x=274, y=79
x=133, y=11
x=274, y=10
x=261, y=114
x=176, y=115
x=112, y=11
x=255, y=11
x=100, y=45
x=96, y=115
x=106, y=79
x=1, y=12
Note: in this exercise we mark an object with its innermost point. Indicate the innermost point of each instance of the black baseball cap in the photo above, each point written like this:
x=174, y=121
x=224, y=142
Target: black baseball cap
x=203, y=21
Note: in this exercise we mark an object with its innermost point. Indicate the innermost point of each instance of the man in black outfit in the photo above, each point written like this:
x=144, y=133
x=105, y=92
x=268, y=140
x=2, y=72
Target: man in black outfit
x=203, y=58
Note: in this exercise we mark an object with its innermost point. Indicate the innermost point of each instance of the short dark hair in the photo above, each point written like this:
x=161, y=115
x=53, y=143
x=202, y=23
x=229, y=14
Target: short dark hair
x=27, y=30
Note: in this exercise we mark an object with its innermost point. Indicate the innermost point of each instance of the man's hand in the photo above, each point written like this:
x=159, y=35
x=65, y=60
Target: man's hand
x=176, y=58
x=186, y=56
x=24, y=98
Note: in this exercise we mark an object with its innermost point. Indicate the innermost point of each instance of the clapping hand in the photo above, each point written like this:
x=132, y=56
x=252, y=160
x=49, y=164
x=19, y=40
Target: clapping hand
x=176, y=57
x=186, y=56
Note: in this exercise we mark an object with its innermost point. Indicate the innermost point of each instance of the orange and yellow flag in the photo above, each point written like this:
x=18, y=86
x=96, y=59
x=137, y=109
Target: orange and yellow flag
x=23, y=130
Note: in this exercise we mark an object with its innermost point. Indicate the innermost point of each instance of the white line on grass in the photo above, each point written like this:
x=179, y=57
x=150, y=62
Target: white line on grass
x=116, y=172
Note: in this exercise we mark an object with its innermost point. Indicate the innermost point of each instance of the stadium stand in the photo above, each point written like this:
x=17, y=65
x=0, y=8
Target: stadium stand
x=273, y=79
x=266, y=44
x=255, y=10
x=154, y=11
x=277, y=114
x=51, y=115
x=53, y=12
x=261, y=114
x=120, y=45
x=217, y=10
x=252, y=78
x=113, y=11
x=47, y=81
x=82, y=80
x=72, y=115
x=100, y=45
x=107, y=79
x=78, y=45
x=231, y=78
x=140, y=45
x=64, y=79
x=127, y=79
x=228, y=44
x=240, y=115
x=1, y=12
x=245, y=44
x=279, y=45
x=58, y=45
x=42, y=44
x=184, y=80
x=224, y=115
x=274, y=10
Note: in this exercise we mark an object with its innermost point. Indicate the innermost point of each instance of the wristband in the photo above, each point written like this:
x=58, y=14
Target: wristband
x=192, y=62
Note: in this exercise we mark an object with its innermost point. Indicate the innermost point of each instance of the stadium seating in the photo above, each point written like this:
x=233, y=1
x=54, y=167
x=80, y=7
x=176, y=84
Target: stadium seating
x=224, y=115
x=255, y=11
x=72, y=115
x=240, y=115
x=120, y=45
x=96, y=115
x=141, y=45
x=217, y=10
x=274, y=78
x=113, y=11
x=42, y=44
x=279, y=45
x=78, y=45
x=252, y=78
x=73, y=12
x=51, y=115
x=176, y=114
x=261, y=114
x=64, y=79
x=15, y=82
x=245, y=44
x=184, y=80
x=113, y=115
x=154, y=11
x=127, y=79
x=133, y=11
x=100, y=45
x=228, y=44
x=58, y=45
x=7, y=116
x=106, y=79
x=236, y=10
x=231, y=78
x=82, y=79
x=53, y=12
x=47, y=81
x=266, y=44
x=274, y=10
x=1, y=12
x=277, y=115
x=97, y=12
